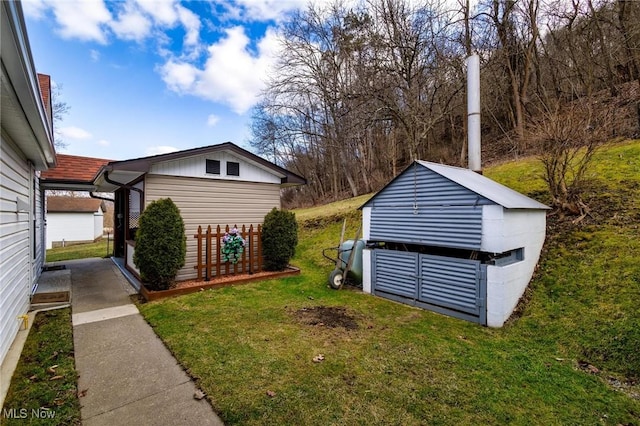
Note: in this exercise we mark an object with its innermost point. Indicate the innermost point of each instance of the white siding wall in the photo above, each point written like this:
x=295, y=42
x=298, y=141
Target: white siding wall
x=366, y=223
x=16, y=265
x=366, y=253
x=366, y=271
x=69, y=227
x=504, y=229
x=41, y=228
x=493, y=230
x=506, y=284
x=37, y=222
x=212, y=202
x=98, y=224
x=196, y=167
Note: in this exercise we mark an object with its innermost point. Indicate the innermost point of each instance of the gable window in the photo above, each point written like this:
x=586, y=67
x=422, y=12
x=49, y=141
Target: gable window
x=233, y=168
x=213, y=167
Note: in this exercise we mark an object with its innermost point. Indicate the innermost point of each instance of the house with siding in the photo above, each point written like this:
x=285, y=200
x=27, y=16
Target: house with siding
x=74, y=220
x=26, y=148
x=213, y=185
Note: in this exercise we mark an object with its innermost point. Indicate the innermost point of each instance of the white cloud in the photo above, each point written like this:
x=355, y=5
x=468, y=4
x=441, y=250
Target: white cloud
x=83, y=20
x=103, y=142
x=34, y=8
x=92, y=20
x=162, y=11
x=212, y=120
x=191, y=23
x=263, y=10
x=72, y=132
x=179, y=76
x=231, y=74
x=131, y=24
x=161, y=149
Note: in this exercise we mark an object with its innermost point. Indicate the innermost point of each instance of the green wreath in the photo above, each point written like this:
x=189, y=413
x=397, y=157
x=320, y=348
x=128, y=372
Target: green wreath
x=232, y=246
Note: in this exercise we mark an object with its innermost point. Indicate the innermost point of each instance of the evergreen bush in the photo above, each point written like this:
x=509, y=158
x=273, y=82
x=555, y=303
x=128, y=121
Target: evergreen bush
x=160, y=244
x=279, y=239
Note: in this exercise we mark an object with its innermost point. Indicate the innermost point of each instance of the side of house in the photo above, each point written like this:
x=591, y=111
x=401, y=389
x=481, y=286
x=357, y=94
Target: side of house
x=217, y=188
x=204, y=202
x=26, y=146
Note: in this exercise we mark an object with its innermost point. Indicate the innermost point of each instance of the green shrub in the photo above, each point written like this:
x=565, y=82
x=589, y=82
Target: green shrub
x=279, y=239
x=160, y=244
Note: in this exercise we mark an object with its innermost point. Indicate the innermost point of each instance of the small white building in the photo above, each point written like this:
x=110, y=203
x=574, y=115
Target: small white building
x=74, y=220
x=452, y=241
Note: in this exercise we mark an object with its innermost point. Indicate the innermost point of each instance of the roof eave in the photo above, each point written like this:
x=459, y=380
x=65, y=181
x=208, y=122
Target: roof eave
x=143, y=165
x=532, y=204
x=67, y=185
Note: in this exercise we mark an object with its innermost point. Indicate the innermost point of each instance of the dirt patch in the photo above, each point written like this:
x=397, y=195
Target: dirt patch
x=327, y=316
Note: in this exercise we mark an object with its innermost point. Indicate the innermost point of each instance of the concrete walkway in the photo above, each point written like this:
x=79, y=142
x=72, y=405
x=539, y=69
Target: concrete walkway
x=126, y=374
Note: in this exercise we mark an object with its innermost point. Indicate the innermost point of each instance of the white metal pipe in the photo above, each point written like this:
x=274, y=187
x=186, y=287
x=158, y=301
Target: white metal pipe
x=473, y=112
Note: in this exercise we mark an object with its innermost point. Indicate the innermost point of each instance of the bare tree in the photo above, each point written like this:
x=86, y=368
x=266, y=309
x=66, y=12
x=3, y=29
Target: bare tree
x=516, y=27
x=361, y=89
x=60, y=110
x=569, y=137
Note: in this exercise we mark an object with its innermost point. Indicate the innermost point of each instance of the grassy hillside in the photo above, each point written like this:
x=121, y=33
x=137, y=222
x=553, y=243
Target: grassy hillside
x=569, y=356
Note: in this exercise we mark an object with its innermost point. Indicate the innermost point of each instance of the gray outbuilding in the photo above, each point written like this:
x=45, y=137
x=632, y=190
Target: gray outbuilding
x=452, y=241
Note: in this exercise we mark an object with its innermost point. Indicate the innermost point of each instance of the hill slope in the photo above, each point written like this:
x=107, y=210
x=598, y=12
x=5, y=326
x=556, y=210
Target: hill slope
x=587, y=290
x=569, y=356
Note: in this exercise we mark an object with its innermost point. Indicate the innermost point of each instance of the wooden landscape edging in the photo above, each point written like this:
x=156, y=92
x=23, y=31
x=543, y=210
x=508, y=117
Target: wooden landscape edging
x=150, y=295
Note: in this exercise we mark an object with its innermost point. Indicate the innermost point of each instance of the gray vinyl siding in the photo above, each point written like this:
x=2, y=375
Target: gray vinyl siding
x=204, y=202
x=426, y=188
x=15, y=251
x=396, y=272
x=455, y=227
x=450, y=283
x=451, y=286
x=422, y=207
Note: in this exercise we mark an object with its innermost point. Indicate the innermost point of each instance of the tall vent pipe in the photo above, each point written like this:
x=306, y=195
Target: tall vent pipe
x=473, y=112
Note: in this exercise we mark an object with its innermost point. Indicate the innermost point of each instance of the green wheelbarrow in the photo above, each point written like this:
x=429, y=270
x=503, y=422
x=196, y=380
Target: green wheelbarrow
x=348, y=261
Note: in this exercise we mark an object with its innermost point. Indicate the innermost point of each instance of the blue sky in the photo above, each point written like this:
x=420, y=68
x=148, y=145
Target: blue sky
x=144, y=77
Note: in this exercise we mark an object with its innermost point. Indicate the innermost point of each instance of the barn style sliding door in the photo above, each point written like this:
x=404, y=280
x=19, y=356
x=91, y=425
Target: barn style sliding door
x=451, y=286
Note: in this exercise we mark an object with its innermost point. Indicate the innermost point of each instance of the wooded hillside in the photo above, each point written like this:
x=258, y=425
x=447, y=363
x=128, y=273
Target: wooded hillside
x=360, y=91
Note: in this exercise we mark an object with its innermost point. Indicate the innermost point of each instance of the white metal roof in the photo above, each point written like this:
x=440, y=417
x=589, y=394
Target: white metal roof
x=499, y=194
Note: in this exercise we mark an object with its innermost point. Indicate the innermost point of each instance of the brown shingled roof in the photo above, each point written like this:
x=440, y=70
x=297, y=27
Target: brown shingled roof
x=74, y=204
x=74, y=168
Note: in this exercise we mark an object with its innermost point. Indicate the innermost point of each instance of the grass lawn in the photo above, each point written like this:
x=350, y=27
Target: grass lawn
x=80, y=251
x=569, y=356
x=44, y=383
